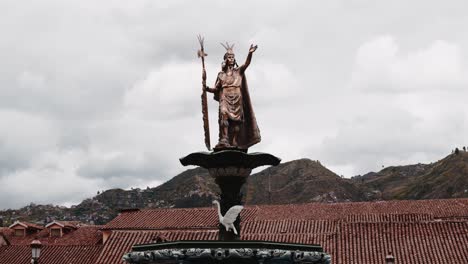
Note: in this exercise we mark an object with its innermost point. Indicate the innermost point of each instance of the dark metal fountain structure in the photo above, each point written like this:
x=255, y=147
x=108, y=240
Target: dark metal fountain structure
x=230, y=165
x=230, y=169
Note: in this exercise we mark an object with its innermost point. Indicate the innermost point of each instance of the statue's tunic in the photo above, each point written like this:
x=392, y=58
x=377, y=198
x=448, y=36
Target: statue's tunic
x=230, y=97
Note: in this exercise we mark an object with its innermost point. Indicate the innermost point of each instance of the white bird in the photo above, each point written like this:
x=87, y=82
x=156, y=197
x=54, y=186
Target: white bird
x=230, y=217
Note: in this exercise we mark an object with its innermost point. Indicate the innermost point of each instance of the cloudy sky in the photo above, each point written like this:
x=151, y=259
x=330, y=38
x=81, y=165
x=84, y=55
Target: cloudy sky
x=105, y=94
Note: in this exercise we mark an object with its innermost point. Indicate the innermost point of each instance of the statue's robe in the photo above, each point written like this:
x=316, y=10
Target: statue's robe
x=234, y=100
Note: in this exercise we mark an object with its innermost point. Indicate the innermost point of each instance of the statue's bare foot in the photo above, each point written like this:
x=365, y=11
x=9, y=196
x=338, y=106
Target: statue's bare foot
x=223, y=143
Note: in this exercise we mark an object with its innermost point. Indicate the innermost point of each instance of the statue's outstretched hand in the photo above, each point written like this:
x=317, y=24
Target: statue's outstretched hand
x=253, y=48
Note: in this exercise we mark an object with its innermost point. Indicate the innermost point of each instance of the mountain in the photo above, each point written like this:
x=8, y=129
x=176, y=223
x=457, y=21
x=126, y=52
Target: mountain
x=300, y=181
x=297, y=181
x=383, y=185
x=191, y=188
x=446, y=178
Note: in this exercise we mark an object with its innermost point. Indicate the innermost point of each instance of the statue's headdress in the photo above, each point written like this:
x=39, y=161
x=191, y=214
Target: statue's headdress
x=229, y=51
x=229, y=48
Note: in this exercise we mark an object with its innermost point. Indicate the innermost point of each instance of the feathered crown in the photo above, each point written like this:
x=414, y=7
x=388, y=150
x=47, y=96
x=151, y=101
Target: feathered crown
x=229, y=48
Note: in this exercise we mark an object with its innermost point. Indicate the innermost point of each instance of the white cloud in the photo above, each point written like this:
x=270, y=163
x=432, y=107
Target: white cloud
x=407, y=108
x=23, y=136
x=382, y=67
x=45, y=180
x=167, y=92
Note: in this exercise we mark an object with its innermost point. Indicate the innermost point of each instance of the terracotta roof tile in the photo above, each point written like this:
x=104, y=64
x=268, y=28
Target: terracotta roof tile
x=444, y=208
x=15, y=254
x=26, y=240
x=350, y=232
x=389, y=218
x=28, y=225
x=69, y=224
x=165, y=219
x=289, y=227
x=419, y=242
x=349, y=243
x=5, y=230
x=372, y=211
x=50, y=254
x=121, y=242
x=85, y=235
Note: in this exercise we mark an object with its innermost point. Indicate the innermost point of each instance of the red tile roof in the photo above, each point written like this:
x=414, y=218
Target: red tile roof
x=446, y=208
x=12, y=254
x=165, y=219
x=84, y=235
x=417, y=242
x=425, y=231
x=372, y=211
x=66, y=224
x=27, y=225
x=435, y=242
x=389, y=218
x=350, y=232
x=121, y=242
x=50, y=254
x=3, y=240
x=289, y=227
x=20, y=240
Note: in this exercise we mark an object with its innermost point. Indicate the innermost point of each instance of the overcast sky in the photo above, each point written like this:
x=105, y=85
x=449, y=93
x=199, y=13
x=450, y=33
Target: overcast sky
x=106, y=94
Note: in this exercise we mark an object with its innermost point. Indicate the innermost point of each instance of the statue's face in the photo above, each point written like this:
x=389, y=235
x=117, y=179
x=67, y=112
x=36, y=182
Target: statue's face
x=230, y=59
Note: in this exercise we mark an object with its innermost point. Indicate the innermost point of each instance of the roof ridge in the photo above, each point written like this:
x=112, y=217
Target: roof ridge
x=362, y=202
x=195, y=228
x=174, y=209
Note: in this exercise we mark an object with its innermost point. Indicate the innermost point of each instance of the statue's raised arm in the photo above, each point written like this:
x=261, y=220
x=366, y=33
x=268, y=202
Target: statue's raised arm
x=249, y=58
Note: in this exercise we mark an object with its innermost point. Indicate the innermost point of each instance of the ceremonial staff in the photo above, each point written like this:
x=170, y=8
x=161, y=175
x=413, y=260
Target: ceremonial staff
x=201, y=54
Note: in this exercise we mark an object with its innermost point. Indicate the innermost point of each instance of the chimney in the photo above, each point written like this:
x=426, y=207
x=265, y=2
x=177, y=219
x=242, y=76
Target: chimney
x=389, y=259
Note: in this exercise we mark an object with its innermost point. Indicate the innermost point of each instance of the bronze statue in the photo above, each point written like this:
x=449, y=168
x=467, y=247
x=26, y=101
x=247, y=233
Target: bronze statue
x=237, y=124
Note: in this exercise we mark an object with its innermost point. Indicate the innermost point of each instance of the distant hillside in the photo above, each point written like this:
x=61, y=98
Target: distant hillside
x=300, y=181
x=297, y=181
x=191, y=188
x=383, y=185
x=446, y=178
